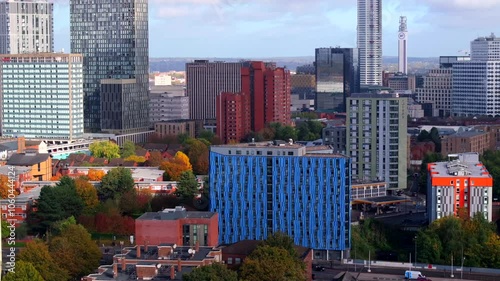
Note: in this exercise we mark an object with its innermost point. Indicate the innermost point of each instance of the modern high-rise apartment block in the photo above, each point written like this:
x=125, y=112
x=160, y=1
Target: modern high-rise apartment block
x=112, y=36
x=42, y=95
x=168, y=106
x=261, y=188
x=377, y=138
x=265, y=98
x=403, y=46
x=26, y=26
x=205, y=80
x=337, y=77
x=437, y=86
x=460, y=185
x=475, y=90
x=369, y=41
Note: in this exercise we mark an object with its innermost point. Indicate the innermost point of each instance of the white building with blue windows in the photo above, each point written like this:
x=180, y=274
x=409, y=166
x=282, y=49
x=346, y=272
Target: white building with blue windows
x=262, y=188
x=42, y=96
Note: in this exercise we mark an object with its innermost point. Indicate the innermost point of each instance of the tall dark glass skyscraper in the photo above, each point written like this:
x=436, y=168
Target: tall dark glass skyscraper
x=337, y=77
x=112, y=36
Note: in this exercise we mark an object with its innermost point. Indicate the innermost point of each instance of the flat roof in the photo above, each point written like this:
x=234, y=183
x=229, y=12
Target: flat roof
x=447, y=169
x=382, y=200
x=175, y=214
x=264, y=144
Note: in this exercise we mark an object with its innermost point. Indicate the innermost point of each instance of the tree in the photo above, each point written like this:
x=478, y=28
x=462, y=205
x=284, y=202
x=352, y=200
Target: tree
x=428, y=158
x=87, y=192
x=105, y=149
x=56, y=203
x=434, y=136
x=187, y=187
x=198, y=153
x=75, y=251
x=128, y=203
x=6, y=186
x=95, y=175
x=162, y=201
x=116, y=182
x=37, y=253
x=176, y=166
x=213, y=272
x=23, y=271
x=59, y=226
x=128, y=149
x=155, y=159
x=207, y=134
x=135, y=158
x=5, y=229
x=268, y=263
x=423, y=136
x=281, y=240
x=491, y=160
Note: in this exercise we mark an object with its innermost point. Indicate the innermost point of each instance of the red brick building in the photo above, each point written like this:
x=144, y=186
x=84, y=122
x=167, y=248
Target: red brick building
x=233, y=116
x=268, y=99
x=177, y=226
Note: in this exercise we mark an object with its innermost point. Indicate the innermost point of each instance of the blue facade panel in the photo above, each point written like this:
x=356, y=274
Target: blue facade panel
x=306, y=197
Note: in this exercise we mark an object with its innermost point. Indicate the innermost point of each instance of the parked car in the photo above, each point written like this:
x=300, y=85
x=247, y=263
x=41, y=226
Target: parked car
x=319, y=268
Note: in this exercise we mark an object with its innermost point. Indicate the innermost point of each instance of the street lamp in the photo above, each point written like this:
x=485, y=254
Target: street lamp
x=369, y=261
x=415, y=251
x=452, y=266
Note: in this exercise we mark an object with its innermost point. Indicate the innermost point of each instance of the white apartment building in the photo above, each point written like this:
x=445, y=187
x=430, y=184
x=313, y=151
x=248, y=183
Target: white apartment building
x=168, y=106
x=26, y=26
x=369, y=41
x=476, y=87
x=437, y=90
x=377, y=138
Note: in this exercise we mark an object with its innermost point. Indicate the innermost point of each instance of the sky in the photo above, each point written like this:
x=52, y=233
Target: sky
x=286, y=28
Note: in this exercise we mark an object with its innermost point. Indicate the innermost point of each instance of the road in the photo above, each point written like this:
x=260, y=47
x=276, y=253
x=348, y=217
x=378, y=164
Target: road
x=385, y=273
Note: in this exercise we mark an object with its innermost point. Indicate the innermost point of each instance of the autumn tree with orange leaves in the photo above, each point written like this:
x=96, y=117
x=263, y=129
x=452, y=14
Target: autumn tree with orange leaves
x=95, y=175
x=5, y=186
x=87, y=192
x=176, y=166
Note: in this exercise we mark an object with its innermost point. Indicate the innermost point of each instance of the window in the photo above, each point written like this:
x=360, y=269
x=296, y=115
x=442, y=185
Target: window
x=39, y=167
x=237, y=260
x=229, y=260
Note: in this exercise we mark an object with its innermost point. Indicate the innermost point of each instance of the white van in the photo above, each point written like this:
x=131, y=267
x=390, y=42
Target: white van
x=412, y=275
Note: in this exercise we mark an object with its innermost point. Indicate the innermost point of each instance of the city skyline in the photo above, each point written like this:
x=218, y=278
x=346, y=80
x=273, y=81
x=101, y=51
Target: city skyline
x=200, y=28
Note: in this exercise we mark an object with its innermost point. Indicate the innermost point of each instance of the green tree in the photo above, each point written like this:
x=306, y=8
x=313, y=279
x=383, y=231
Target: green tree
x=59, y=226
x=87, y=192
x=428, y=158
x=105, y=149
x=75, y=251
x=213, y=272
x=129, y=203
x=197, y=151
x=56, y=203
x=37, y=253
x=491, y=160
x=423, y=136
x=281, y=240
x=268, y=263
x=24, y=271
x=207, y=134
x=116, y=182
x=434, y=136
x=187, y=187
x=429, y=246
x=5, y=229
x=128, y=149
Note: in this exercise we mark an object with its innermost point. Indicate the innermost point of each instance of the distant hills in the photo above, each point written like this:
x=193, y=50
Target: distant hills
x=179, y=64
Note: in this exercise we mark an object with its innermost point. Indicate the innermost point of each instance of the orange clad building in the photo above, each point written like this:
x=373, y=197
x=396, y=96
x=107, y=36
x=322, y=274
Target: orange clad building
x=461, y=186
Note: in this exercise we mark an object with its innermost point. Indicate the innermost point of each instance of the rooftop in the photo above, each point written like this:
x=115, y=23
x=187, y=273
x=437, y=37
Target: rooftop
x=27, y=159
x=246, y=247
x=465, y=164
x=264, y=144
x=175, y=214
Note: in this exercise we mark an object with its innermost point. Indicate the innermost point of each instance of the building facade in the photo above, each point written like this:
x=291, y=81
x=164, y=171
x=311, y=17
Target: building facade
x=260, y=188
x=335, y=136
x=177, y=226
x=437, y=90
x=398, y=82
x=474, y=90
x=369, y=41
x=377, y=138
x=166, y=107
x=461, y=186
x=115, y=48
x=337, y=77
x=233, y=116
x=26, y=26
x=205, y=80
x=175, y=128
x=42, y=95
x=462, y=142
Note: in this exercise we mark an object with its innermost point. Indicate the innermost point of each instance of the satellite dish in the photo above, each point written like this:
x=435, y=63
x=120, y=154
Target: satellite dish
x=174, y=246
x=190, y=251
x=158, y=266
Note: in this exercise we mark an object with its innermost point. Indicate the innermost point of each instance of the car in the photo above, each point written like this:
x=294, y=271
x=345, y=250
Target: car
x=319, y=268
x=423, y=279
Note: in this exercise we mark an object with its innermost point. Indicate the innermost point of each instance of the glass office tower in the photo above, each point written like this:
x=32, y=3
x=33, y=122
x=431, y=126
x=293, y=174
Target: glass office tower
x=112, y=36
x=337, y=77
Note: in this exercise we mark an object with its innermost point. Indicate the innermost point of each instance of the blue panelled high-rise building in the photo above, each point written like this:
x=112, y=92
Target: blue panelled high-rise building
x=262, y=188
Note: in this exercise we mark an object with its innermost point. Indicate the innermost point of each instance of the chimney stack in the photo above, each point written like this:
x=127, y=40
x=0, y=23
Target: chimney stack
x=21, y=144
x=115, y=270
x=172, y=272
x=179, y=267
x=138, y=251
